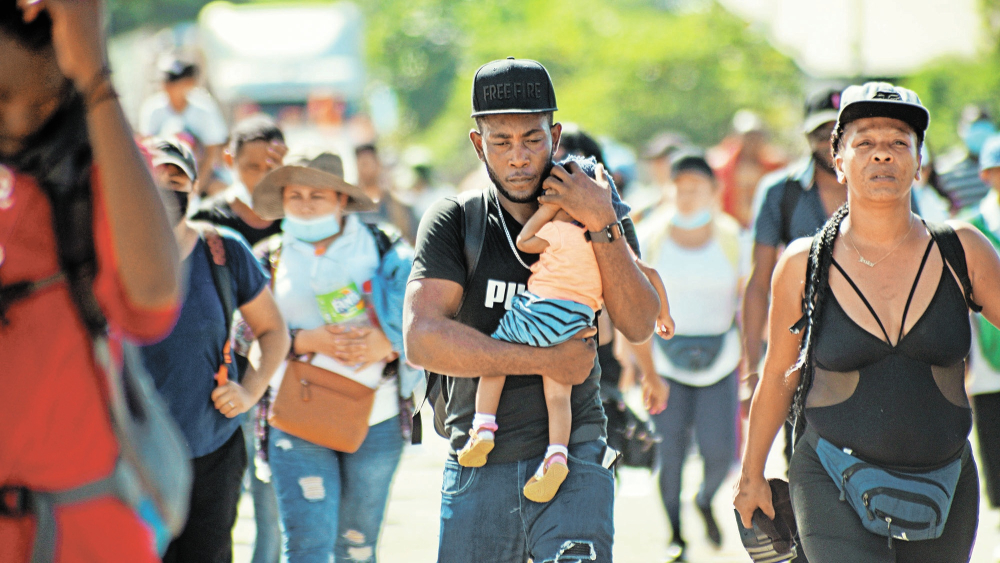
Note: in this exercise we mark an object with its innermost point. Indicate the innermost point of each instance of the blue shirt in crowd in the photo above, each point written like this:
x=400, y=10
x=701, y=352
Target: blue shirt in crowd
x=808, y=215
x=183, y=365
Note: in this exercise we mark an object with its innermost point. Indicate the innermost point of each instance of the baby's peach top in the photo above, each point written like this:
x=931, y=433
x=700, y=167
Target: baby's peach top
x=567, y=269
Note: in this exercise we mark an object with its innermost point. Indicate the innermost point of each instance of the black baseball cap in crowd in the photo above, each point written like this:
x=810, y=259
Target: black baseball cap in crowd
x=512, y=86
x=176, y=152
x=822, y=107
x=881, y=99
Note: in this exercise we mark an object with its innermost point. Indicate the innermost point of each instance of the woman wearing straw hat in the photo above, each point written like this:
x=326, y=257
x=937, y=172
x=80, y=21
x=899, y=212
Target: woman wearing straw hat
x=332, y=503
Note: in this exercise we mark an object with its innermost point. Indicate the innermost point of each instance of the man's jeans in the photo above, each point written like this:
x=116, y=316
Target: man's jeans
x=485, y=517
x=332, y=503
x=267, y=544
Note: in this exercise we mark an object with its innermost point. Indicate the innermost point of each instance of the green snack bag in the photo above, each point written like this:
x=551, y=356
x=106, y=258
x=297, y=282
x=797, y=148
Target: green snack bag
x=344, y=306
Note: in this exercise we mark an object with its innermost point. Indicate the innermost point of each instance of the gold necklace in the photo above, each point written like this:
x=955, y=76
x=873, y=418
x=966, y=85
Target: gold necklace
x=871, y=264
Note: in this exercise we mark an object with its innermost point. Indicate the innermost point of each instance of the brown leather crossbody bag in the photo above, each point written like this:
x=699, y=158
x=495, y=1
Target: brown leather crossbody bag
x=322, y=407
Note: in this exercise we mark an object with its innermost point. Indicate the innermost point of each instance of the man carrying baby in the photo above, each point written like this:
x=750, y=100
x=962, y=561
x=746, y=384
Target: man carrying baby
x=484, y=513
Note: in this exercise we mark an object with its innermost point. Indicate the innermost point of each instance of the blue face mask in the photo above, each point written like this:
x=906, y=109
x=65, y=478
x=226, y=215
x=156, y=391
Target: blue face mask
x=691, y=221
x=976, y=135
x=311, y=230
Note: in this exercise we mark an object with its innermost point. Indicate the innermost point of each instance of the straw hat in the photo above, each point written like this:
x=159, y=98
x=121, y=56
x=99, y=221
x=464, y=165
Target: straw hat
x=324, y=171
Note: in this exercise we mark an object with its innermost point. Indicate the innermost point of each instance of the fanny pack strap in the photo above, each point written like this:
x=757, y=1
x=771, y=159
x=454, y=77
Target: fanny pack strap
x=812, y=438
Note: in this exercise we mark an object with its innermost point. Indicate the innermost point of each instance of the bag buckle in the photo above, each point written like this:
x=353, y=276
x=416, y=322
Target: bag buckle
x=15, y=502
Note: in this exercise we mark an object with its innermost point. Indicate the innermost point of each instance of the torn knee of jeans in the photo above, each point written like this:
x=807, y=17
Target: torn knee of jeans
x=359, y=550
x=360, y=554
x=574, y=551
x=283, y=444
x=354, y=537
x=312, y=488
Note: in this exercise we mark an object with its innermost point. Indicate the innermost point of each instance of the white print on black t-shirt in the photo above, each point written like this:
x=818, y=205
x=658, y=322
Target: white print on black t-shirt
x=500, y=291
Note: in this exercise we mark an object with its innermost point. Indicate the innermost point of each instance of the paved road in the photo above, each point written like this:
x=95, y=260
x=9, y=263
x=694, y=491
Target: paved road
x=411, y=528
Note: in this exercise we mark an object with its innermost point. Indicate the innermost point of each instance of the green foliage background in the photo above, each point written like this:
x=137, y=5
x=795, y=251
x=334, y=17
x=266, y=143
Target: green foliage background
x=623, y=68
x=627, y=69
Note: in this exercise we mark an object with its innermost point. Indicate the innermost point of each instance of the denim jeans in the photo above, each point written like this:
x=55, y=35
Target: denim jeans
x=486, y=518
x=267, y=544
x=332, y=503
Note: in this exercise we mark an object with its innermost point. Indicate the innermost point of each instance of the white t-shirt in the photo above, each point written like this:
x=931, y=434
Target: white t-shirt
x=351, y=258
x=201, y=118
x=703, y=289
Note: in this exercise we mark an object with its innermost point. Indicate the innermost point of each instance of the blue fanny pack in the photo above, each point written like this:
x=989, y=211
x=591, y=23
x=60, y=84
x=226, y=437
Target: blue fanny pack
x=907, y=506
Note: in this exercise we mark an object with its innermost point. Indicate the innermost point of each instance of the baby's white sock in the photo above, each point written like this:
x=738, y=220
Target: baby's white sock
x=485, y=425
x=557, y=449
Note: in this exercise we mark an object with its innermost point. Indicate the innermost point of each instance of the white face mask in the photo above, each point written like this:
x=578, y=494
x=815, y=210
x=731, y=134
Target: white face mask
x=312, y=230
x=691, y=221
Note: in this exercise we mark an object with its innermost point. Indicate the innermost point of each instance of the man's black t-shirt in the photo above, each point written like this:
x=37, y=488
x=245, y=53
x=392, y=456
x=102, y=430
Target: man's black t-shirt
x=522, y=415
x=219, y=212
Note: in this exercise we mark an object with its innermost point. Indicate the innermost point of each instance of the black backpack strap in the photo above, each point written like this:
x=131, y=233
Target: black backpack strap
x=223, y=279
x=789, y=199
x=386, y=236
x=953, y=253
x=475, y=211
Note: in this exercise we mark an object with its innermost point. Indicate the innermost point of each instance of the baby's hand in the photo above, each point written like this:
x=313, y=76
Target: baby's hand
x=665, y=325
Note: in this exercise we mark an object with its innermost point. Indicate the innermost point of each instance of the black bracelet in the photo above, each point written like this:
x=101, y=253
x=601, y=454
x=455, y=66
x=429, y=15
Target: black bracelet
x=108, y=94
x=99, y=78
x=291, y=349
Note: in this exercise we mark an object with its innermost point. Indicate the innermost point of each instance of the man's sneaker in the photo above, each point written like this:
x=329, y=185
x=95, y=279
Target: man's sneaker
x=711, y=526
x=476, y=450
x=545, y=483
x=675, y=551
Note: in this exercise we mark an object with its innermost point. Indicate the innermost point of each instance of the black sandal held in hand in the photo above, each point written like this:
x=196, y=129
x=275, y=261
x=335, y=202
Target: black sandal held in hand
x=772, y=541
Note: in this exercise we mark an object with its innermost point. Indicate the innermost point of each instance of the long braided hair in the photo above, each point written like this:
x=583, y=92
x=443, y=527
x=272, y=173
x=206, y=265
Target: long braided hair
x=817, y=287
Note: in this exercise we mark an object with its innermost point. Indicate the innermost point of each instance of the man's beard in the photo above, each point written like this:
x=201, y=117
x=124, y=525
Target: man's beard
x=530, y=198
x=823, y=161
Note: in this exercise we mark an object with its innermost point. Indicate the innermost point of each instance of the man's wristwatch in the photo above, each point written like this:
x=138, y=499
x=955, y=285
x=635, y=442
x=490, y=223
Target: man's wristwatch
x=611, y=233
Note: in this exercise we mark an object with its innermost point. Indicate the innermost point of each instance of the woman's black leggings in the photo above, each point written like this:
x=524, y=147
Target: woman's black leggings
x=831, y=532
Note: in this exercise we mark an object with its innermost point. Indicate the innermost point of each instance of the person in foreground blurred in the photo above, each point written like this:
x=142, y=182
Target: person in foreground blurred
x=873, y=367
x=62, y=131
x=186, y=366
x=484, y=513
x=697, y=251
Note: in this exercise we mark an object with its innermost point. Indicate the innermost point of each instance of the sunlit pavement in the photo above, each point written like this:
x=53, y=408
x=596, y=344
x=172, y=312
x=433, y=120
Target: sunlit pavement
x=641, y=531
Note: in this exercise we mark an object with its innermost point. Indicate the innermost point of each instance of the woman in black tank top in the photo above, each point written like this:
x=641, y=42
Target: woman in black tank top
x=877, y=363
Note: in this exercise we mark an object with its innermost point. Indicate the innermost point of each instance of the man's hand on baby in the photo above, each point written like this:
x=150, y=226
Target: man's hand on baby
x=586, y=199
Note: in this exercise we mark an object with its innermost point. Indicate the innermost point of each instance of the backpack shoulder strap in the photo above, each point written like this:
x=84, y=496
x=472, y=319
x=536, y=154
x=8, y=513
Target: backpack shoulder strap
x=475, y=209
x=386, y=236
x=953, y=253
x=789, y=199
x=222, y=277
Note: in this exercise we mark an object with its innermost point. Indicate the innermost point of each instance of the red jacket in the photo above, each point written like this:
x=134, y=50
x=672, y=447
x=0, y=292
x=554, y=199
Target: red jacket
x=54, y=429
